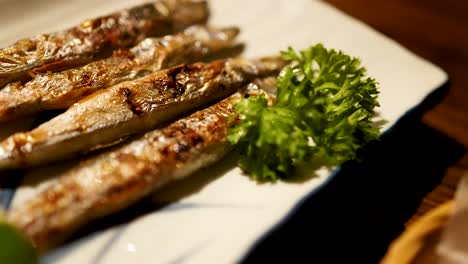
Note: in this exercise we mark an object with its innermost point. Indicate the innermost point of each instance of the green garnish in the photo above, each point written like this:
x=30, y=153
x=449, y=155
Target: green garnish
x=323, y=110
x=14, y=248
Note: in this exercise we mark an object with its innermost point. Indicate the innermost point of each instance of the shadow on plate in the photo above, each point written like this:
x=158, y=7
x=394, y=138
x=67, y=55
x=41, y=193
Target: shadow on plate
x=365, y=206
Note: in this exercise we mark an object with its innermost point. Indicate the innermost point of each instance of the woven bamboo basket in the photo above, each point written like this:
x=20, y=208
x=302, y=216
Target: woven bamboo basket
x=416, y=245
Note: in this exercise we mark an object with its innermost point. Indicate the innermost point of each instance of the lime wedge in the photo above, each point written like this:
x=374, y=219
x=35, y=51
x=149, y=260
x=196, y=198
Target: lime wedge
x=14, y=248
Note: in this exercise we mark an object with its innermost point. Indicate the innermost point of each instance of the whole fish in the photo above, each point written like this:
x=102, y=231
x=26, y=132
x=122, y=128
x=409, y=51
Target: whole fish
x=59, y=90
x=96, y=37
x=132, y=107
x=113, y=180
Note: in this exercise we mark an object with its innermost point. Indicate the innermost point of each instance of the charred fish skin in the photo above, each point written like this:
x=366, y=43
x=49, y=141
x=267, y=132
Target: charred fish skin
x=115, y=179
x=132, y=107
x=59, y=90
x=89, y=40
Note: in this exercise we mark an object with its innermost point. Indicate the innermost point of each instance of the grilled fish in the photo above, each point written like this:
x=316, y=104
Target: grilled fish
x=132, y=107
x=113, y=180
x=93, y=38
x=57, y=90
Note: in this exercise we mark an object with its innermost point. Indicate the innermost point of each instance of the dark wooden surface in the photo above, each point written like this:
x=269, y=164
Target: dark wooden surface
x=438, y=31
x=411, y=170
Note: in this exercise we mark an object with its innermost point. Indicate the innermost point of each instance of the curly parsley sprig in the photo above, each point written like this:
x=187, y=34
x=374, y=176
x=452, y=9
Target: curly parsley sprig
x=323, y=109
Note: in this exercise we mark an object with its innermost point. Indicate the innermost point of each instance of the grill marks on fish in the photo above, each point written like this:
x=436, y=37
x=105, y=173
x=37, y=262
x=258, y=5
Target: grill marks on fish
x=58, y=90
x=92, y=38
x=132, y=107
x=136, y=110
x=115, y=179
x=178, y=84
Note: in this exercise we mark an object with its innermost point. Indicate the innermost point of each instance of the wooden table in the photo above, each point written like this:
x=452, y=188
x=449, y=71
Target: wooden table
x=438, y=31
x=415, y=168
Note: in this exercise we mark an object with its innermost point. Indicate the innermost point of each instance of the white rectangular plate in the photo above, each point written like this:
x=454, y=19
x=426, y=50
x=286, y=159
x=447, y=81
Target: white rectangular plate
x=218, y=214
